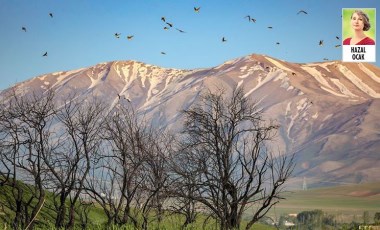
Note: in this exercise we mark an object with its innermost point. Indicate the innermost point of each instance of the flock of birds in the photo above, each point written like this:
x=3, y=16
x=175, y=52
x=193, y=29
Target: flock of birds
x=169, y=25
x=24, y=29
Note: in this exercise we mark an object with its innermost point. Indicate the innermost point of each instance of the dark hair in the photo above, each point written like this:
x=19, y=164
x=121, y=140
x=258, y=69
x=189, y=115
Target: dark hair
x=365, y=18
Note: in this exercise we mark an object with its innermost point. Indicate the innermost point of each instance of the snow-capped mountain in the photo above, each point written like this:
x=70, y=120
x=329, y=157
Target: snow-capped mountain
x=329, y=112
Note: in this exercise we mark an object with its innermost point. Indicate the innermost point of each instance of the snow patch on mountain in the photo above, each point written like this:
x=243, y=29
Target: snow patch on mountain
x=358, y=82
x=333, y=92
x=283, y=77
x=231, y=65
x=369, y=73
x=134, y=74
x=269, y=77
x=290, y=88
x=318, y=76
x=343, y=88
x=300, y=113
x=278, y=64
x=327, y=117
x=65, y=77
x=287, y=111
x=239, y=83
x=302, y=104
x=324, y=65
x=250, y=71
x=95, y=82
x=243, y=69
x=154, y=81
x=245, y=75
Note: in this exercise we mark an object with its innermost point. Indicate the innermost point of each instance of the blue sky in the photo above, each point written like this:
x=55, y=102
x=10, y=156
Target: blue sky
x=81, y=32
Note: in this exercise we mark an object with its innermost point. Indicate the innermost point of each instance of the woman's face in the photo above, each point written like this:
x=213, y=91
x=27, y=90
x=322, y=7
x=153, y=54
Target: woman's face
x=357, y=22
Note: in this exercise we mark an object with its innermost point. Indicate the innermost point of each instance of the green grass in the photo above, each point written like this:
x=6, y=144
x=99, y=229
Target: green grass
x=97, y=218
x=351, y=200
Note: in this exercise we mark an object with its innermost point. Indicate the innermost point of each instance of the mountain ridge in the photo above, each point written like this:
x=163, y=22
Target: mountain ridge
x=328, y=111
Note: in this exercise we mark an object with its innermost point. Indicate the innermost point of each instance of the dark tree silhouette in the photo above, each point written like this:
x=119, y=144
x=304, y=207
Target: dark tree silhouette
x=80, y=143
x=157, y=152
x=115, y=183
x=26, y=137
x=224, y=149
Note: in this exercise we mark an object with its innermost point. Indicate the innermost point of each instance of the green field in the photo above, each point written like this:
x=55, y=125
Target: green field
x=349, y=201
x=97, y=217
x=346, y=203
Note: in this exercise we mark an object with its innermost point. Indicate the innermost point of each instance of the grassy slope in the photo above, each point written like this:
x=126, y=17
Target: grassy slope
x=97, y=218
x=350, y=199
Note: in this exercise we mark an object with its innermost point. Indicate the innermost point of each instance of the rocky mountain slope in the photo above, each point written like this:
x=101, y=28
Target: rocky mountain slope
x=329, y=112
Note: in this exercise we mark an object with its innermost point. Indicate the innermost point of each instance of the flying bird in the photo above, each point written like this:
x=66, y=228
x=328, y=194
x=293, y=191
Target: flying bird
x=302, y=11
x=166, y=28
x=250, y=19
x=51, y=15
x=270, y=27
x=337, y=37
x=163, y=53
x=326, y=59
x=321, y=42
x=117, y=35
x=337, y=46
x=45, y=54
x=130, y=37
x=196, y=9
x=277, y=43
x=163, y=19
x=224, y=39
x=180, y=30
x=169, y=24
x=23, y=28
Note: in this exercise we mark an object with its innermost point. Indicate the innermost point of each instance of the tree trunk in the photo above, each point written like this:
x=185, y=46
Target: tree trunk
x=17, y=221
x=61, y=214
x=145, y=223
x=36, y=210
x=234, y=219
x=70, y=224
x=126, y=213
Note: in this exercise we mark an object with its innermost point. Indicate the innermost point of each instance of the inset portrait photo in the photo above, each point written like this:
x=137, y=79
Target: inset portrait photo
x=359, y=34
x=359, y=26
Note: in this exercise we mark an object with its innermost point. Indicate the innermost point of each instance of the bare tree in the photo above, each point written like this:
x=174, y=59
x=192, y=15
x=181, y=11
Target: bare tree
x=182, y=189
x=80, y=125
x=10, y=140
x=115, y=182
x=224, y=145
x=157, y=148
x=26, y=137
x=83, y=210
x=101, y=187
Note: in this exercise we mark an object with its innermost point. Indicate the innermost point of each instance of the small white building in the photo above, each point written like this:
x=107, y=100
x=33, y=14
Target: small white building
x=289, y=224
